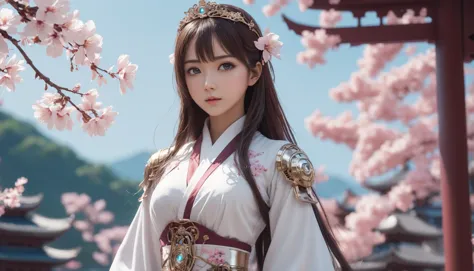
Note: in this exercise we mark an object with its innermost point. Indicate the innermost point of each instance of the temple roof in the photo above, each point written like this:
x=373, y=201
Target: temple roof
x=45, y=254
x=408, y=255
x=384, y=186
x=433, y=209
x=35, y=225
x=346, y=201
x=27, y=204
x=408, y=226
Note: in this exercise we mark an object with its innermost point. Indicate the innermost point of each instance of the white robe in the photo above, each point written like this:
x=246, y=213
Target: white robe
x=225, y=204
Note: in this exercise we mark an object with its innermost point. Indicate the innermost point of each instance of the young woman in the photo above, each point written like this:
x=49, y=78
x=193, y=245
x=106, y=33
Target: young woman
x=234, y=192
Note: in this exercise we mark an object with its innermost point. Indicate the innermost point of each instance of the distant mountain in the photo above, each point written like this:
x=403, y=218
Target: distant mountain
x=336, y=186
x=53, y=169
x=131, y=168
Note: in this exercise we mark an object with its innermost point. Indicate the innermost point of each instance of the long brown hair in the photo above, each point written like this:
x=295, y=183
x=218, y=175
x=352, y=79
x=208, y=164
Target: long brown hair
x=262, y=108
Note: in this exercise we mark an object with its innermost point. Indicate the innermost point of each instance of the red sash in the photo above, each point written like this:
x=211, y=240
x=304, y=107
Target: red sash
x=194, y=163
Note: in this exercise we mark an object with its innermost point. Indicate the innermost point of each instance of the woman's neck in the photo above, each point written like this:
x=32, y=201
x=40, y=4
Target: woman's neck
x=218, y=124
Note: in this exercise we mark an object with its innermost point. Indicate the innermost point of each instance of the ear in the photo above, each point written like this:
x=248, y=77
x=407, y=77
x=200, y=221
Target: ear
x=255, y=73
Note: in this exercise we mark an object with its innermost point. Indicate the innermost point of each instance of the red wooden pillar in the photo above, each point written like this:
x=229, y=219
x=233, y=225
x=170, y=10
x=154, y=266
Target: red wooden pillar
x=452, y=136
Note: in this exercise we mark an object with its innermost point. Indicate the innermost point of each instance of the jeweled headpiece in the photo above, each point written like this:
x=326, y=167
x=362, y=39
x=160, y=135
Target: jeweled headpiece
x=213, y=10
x=268, y=43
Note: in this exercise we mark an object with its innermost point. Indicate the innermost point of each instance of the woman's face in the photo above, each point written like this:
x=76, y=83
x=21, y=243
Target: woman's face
x=219, y=86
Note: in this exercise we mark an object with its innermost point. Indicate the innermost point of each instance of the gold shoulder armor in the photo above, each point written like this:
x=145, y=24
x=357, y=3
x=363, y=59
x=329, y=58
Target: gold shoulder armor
x=295, y=165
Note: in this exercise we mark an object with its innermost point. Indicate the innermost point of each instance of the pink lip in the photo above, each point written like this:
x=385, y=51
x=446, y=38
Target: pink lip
x=213, y=100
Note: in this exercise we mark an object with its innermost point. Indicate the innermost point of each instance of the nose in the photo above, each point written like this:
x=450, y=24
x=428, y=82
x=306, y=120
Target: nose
x=209, y=84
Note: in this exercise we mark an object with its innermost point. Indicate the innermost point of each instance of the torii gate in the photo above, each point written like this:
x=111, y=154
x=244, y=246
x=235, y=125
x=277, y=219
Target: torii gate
x=452, y=31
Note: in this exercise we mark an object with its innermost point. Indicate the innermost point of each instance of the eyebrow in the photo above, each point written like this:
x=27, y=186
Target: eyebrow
x=215, y=58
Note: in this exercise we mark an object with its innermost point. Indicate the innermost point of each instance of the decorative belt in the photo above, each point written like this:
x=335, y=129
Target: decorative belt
x=188, y=246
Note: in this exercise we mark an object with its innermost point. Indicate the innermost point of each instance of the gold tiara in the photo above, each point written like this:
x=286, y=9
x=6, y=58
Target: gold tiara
x=213, y=10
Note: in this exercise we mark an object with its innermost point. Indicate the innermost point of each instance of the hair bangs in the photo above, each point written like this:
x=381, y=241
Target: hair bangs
x=223, y=32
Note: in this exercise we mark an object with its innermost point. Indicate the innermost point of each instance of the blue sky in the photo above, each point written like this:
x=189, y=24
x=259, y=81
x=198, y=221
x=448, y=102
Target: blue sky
x=145, y=30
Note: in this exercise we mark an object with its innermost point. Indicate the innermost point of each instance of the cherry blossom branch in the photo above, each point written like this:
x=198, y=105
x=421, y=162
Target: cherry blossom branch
x=28, y=60
x=23, y=10
x=39, y=74
x=10, y=197
x=108, y=239
x=51, y=24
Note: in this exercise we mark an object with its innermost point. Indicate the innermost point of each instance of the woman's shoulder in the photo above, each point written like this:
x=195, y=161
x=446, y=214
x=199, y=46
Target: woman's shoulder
x=280, y=155
x=158, y=156
x=272, y=146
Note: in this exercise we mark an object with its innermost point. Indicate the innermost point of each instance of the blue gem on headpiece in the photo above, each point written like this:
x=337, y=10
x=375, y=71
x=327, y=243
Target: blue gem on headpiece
x=202, y=10
x=179, y=258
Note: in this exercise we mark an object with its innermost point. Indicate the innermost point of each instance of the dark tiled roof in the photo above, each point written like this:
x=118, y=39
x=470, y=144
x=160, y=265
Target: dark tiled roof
x=383, y=186
x=405, y=223
x=408, y=255
x=27, y=204
x=35, y=225
x=45, y=254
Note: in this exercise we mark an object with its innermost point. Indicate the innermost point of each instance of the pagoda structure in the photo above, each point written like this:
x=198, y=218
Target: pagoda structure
x=406, y=246
x=24, y=235
x=411, y=242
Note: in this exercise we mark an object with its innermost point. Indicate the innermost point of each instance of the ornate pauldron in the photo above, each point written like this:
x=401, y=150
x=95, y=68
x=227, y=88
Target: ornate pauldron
x=296, y=167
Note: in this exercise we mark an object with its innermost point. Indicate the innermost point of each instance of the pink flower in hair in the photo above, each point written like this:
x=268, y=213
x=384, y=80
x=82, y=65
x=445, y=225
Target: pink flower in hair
x=270, y=45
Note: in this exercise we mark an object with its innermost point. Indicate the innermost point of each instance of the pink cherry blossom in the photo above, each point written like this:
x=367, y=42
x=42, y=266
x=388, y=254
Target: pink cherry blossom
x=329, y=18
x=377, y=56
x=10, y=197
x=52, y=11
x=359, y=86
x=55, y=44
x=9, y=20
x=51, y=24
x=89, y=42
x=72, y=26
x=126, y=73
x=89, y=101
x=13, y=66
x=82, y=225
x=38, y=28
x=270, y=10
x=317, y=43
x=319, y=175
x=99, y=125
x=273, y=8
x=99, y=205
x=305, y=4
x=342, y=130
x=402, y=197
x=270, y=45
x=73, y=265
x=21, y=181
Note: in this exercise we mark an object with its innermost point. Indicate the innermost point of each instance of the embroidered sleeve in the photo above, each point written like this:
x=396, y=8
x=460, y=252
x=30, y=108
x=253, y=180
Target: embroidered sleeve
x=297, y=241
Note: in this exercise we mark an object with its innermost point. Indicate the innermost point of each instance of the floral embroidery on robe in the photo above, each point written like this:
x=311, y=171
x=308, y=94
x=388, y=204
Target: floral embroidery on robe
x=255, y=167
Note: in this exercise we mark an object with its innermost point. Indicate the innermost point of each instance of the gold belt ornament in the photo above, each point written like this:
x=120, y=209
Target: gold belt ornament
x=183, y=252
